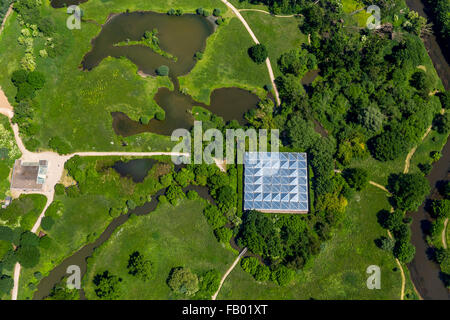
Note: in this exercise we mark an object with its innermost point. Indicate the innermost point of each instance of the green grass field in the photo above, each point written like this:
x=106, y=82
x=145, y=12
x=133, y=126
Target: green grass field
x=278, y=34
x=11, y=153
x=169, y=237
x=226, y=63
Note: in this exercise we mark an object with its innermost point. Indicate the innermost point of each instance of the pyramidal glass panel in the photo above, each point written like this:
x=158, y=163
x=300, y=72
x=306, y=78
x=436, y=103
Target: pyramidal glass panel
x=276, y=182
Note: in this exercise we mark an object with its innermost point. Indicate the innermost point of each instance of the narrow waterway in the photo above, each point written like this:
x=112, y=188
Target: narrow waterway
x=425, y=273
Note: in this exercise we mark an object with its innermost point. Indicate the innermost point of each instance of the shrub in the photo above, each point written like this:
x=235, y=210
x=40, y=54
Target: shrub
x=174, y=193
x=214, y=217
x=171, y=12
x=282, y=276
x=216, y=12
x=58, y=144
x=73, y=191
x=60, y=189
x=19, y=76
x=139, y=267
x=192, y=195
x=404, y=251
x=107, y=286
x=440, y=208
x=250, y=264
x=36, y=79
x=258, y=53
x=198, y=55
x=223, y=234
x=28, y=256
x=356, y=178
x=162, y=71
x=24, y=91
x=182, y=280
x=386, y=244
x=144, y=120
x=166, y=180
x=199, y=11
x=262, y=273
x=47, y=223
x=160, y=115
x=220, y=21
x=209, y=283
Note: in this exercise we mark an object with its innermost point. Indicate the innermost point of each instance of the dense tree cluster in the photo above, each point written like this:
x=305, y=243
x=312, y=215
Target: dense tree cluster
x=409, y=190
x=139, y=267
x=107, y=286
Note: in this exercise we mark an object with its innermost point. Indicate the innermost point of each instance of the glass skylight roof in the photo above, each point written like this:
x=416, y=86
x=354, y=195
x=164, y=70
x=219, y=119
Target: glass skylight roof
x=275, y=182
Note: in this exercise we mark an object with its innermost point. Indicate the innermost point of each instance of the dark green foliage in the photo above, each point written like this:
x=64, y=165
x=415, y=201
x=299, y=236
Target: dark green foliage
x=166, y=180
x=199, y=11
x=174, y=193
x=226, y=198
x=313, y=20
x=184, y=177
x=47, y=26
x=24, y=91
x=107, y=286
x=409, y=190
x=291, y=89
x=6, y=233
x=60, y=189
x=404, y=251
x=282, y=275
x=62, y=292
x=208, y=284
x=356, y=178
x=301, y=133
x=60, y=145
x=192, y=195
x=6, y=284
x=144, y=120
x=389, y=145
x=28, y=256
x=216, y=12
x=440, y=208
x=223, y=234
x=258, y=53
x=441, y=123
x=183, y=281
x=443, y=258
x=139, y=267
x=198, y=55
x=29, y=239
x=162, y=71
x=47, y=223
x=73, y=191
x=214, y=217
x=160, y=115
x=36, y=79
x=19, y=76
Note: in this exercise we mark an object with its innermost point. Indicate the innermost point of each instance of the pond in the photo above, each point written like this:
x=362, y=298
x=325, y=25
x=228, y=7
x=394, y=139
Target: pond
x=136, y=169
x=181, y=36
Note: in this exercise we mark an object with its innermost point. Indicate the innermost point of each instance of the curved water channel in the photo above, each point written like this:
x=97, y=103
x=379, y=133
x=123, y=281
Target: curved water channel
x=425, y=273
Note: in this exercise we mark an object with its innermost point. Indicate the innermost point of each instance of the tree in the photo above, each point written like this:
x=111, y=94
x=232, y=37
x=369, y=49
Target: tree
x=386, y=244
x=6, y=233
x=404, y=251
x=184, y=177
x=388, y=145
x=291, y=90
x=174, y=193
x=28, y=256
x=36, y=79
x=19, y=76
x=443, y=258
x=28, y=238
x=226, y=198
x=214, y=217
x=262, y=273
x=258, y=53
x=441, y=123
x=209, y=282
x=371, y=118
x=6, y=284
x=356, y=178
x=223, y=234
x=301, y=133
x=139, y=267
x=166, y=180
x=162, y=71
x=47, y=223
x=294, y=62
x=440, y=208
x=250, y=265
x=107, y=286
x=182, y=280
x=282, y=275
x=192, y=195
x=409, y=190
x=24, y=91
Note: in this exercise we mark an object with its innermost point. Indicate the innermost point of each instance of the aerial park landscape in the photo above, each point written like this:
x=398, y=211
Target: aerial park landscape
x=92, y=111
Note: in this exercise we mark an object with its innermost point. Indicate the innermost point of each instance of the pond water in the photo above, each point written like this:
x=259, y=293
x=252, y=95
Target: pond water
x=136, y=169
x=229, y=103
x=181, y=36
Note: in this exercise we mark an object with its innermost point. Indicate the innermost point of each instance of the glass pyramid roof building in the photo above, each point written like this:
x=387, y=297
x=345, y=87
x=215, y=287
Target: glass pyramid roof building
x=276, y=182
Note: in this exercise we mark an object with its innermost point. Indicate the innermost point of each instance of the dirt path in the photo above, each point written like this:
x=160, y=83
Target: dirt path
x=10, y=10
x=228, y=272
x=402, y=273
x=273, y=15
x=379, y=186
x=444, y=234
x=249, y=30
x=413, y=150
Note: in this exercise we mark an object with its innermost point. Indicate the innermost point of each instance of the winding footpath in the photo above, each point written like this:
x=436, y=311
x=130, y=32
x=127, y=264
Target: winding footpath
x=55, y=171
x=444, y=234
x=273, y=15
x=228, y=272
x=255, y=40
